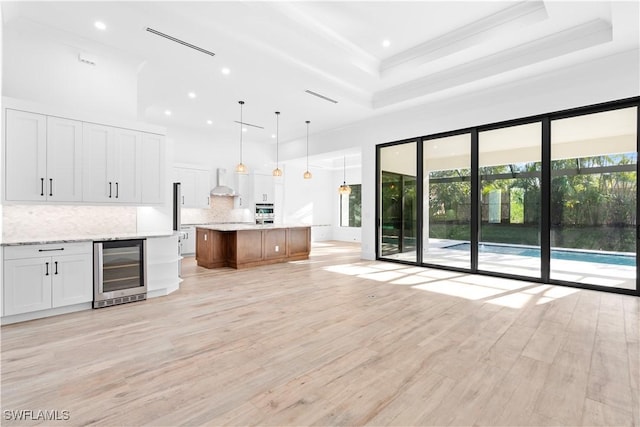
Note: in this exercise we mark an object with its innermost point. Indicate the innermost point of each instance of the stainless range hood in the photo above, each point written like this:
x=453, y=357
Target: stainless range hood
x=222, y=189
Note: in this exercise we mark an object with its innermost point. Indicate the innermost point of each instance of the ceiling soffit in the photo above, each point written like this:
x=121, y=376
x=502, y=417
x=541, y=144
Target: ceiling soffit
x=554, y=45
x=514, y=16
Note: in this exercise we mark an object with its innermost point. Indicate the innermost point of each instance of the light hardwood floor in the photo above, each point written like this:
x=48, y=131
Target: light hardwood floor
x=334, y=341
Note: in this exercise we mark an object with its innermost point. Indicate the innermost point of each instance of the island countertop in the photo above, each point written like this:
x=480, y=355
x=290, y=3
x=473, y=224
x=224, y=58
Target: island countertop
x=242, y=227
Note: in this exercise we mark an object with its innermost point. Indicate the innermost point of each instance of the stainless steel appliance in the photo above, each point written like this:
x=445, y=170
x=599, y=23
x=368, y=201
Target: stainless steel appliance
x=177, y=198
x=177, y=220
x=265, y=213
x=119, y=272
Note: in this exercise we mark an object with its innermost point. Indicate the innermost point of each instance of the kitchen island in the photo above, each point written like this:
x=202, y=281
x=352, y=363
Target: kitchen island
x=249, y=245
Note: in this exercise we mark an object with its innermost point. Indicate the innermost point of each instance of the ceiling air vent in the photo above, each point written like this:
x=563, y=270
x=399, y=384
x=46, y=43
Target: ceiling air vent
x=326, y=98
x=182, y=42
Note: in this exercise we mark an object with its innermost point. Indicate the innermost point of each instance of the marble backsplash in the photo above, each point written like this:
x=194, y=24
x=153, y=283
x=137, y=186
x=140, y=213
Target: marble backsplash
x=220, y=210
x=53, y=221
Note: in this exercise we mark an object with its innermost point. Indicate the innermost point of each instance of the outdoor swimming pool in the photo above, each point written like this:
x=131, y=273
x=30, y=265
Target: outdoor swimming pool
x=568, y=255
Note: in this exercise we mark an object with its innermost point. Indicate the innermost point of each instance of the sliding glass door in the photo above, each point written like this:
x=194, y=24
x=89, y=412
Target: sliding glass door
x=398, y=202
x=510, y=183
x=550, y=199
x=593, y=198
x=446, y=225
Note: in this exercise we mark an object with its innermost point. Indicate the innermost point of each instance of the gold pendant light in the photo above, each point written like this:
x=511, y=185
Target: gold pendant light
x=277, y=171
x=307, y=174
x=241, y=168
x=344, y=188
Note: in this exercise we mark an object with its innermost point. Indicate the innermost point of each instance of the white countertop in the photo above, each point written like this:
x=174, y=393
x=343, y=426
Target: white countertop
x=85, y=238
x=244, y=227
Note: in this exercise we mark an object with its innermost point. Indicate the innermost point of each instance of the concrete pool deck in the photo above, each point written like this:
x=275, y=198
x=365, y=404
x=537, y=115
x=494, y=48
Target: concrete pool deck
x=584, y=272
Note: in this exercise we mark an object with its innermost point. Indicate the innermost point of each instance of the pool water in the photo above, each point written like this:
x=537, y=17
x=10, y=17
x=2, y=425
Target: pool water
x=602, y=258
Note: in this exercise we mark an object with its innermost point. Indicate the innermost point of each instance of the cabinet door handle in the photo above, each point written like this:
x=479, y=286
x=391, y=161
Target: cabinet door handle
x=117, y=191
x=56, y=264
x=207, y=201
x=183, y=200
x=109, y=189
x=42, y=186
x=47, y=266
x=51, y=186
x=50, y=250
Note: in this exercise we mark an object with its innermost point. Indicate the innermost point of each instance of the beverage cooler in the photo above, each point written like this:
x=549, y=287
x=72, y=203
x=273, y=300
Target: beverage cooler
x=120, y=272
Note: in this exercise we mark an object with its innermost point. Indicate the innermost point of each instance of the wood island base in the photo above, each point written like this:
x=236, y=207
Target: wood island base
x=216, y=248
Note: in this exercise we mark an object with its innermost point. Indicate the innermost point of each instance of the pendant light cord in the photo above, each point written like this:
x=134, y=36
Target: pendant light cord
x=308, y=145
x=241, y=104
x=277, y=139
x=344, y=170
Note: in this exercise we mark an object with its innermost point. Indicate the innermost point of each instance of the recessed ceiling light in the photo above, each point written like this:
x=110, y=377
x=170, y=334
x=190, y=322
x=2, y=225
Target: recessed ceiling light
x=225, y=71
x=209, y=122
x=244, y=129
x=386, y=43
x=167, y=112
x=192, y=95
x=100, y=25
x=273, y=135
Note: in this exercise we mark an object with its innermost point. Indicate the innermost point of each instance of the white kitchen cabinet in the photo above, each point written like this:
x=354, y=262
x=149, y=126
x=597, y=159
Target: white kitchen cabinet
x=188, y=240
x=111, y=164
x=152, y=168
x=244, y=191
x=195, y=187
x=26, y=154
x=72, y=280
x=27, y=286
x=54, y=159
x=263, y=189
x=43, y=158
x=163, y=265
x=127, y=161
x=41, y=277
x=63, y=182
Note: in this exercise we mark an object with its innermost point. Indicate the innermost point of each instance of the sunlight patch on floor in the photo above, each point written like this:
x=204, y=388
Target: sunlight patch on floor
x=494, y=290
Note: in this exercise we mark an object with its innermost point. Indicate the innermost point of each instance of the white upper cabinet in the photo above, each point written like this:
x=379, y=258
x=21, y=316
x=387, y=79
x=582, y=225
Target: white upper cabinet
x=263, y=189
x=125, y=166
x=194, y=186
x=244, y=189
x=53, y=159
x=64, y=160
x=97, y=185
x=152, y=169
x=44, y=158
x=25, y=156
x=112, y=164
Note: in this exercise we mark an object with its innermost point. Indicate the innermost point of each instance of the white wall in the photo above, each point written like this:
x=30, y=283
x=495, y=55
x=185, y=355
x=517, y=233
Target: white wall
x=307, y=201
x=37, y=67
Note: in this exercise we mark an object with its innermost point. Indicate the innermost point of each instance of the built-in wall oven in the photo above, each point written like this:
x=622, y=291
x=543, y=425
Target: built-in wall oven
x=265, y=213
x=119, y=272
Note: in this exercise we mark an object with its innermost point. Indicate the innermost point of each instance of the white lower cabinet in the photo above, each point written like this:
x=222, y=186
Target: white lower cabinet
x=188, y=241
x=162, y=265
x=26, y=285
x=41, y=277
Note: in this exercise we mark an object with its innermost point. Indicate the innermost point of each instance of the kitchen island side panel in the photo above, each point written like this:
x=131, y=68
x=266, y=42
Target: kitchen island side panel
x=251, y=247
